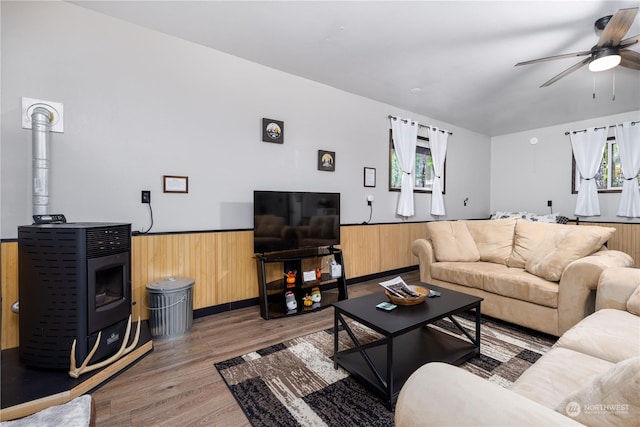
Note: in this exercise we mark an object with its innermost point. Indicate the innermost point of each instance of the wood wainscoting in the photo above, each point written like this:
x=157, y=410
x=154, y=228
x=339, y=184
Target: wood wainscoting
x=625, y=239
x=9, y=277
x=224, y=268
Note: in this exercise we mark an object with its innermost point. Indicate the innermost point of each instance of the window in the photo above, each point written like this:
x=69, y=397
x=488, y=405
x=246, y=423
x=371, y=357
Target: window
x=609, y=178
x=423, y=171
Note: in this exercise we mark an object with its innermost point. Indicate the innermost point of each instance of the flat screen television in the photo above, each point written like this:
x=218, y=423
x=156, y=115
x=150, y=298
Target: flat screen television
x=288, y=220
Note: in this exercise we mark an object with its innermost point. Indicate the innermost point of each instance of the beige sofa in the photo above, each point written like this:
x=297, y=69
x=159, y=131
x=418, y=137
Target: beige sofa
x=538, y=275
x=591, y=376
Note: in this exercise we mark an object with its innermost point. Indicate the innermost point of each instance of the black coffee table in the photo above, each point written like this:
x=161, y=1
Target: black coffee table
x=408, y=342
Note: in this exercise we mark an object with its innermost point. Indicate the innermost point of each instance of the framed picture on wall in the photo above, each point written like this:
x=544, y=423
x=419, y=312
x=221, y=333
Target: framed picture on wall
x=326, y=160
x=273, y=131
x=175, y=184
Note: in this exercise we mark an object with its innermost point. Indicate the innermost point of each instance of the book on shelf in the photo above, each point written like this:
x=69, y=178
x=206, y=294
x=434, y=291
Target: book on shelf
x=399, y=288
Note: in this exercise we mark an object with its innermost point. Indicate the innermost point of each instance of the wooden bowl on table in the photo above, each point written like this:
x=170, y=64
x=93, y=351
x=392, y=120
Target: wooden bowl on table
x=424, y=293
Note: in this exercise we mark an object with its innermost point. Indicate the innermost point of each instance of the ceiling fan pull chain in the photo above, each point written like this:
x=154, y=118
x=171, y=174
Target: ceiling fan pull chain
x=614, y=85
x=594, y=87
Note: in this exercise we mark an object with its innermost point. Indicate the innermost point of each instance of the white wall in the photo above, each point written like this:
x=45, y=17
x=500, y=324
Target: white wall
x=525, y=176
x=139, y=105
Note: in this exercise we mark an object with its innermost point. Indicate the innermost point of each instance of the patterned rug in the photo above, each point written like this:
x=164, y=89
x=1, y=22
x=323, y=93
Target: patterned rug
x=294, y=383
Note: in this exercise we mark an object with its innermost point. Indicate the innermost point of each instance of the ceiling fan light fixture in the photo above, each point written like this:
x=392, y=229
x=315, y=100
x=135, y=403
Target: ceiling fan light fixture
x=604, y=60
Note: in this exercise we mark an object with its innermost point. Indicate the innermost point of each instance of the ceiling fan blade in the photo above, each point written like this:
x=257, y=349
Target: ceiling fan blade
x=567, y=72
x=617, y=27
x=630, y=41
x=551, y=58
x=630, y=59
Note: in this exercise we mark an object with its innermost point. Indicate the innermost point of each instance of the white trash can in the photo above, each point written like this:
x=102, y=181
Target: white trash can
x=170, y=307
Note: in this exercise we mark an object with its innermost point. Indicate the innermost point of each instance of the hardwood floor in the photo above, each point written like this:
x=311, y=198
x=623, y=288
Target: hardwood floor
x=177, y=384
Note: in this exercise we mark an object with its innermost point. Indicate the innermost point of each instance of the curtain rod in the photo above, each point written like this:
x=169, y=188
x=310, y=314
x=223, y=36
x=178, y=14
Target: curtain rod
x=602, y=127
x=422, y=126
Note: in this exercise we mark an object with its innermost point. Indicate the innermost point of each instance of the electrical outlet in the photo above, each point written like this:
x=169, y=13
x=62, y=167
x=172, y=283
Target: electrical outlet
x=146, y=196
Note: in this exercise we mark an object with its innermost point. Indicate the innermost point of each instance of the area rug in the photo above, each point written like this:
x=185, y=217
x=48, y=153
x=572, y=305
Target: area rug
x=294, y=383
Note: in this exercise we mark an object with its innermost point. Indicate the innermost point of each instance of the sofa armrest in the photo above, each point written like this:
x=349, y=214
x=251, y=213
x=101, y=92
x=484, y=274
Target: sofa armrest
x=439, y=394
x=423, y=249
x=579, y=281
x=616, y=286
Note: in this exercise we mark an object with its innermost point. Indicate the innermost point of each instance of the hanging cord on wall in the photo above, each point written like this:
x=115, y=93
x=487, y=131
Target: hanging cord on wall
x=151, y=215
x=370, y=213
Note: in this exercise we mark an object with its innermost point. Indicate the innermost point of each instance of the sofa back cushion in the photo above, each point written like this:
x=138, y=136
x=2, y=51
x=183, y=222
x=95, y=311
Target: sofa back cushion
x=452, y=241
x=494, y=238
x=611, y=399
x=570, y=243
x=633, y=303
x=527, y=236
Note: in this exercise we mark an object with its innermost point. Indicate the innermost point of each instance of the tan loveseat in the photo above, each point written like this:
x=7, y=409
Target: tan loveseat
x=591, y=376
x=538, y=275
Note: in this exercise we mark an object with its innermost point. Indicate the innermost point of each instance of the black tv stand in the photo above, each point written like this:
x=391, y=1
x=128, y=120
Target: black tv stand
x=272, y=293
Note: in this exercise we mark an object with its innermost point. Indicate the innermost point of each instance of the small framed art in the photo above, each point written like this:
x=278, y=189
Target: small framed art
x=273, y=131
x=175, y=184
x=369, y=177
x=326, y=160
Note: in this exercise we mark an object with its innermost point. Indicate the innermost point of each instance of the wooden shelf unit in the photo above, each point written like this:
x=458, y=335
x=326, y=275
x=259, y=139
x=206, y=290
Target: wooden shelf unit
x=272, y=293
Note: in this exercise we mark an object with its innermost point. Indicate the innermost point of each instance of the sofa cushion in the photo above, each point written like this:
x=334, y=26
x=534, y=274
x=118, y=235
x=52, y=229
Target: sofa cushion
x=527, y=237
x=558, y=250
x=611, y=399
x=452, y=241
x=471, y=274
x=519, y=284
x=441, y=395
x=558, y=373
x=605, y=233
x=633, y=303
x=493, y=238
x=616, y=285
x=607, y=334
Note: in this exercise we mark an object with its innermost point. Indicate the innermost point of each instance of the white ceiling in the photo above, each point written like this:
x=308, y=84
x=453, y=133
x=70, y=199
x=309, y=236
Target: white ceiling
x=460, y=55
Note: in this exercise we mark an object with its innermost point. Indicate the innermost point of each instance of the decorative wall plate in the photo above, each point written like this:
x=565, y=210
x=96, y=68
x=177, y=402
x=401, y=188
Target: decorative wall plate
x=273, y=131
x=326, y=160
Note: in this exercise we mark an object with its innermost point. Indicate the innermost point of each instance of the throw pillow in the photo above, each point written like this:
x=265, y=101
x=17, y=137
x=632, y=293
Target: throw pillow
x=527, y=237
x=633, y=303
x=494, y=238
x=554, y=253
x=452, y=241
x=611, y=399
x=529, y=216
x=604, y=233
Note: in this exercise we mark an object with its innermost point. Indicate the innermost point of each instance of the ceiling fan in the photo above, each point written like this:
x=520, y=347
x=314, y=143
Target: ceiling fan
x=610, y=50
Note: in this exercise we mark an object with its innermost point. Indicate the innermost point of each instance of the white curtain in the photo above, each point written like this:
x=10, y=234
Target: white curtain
x=628, y=139
x=588, y=148
x=438, y=144
x=405, y=134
